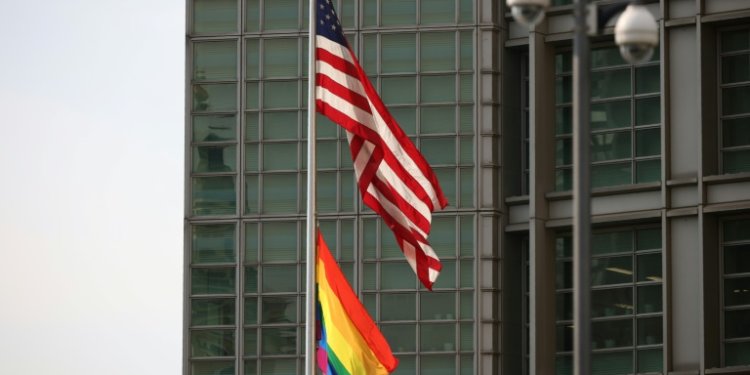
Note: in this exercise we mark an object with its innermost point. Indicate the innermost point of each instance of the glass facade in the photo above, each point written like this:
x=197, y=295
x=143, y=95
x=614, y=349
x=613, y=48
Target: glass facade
x=735, y=94
x=248, y=139
x=626, y=302
x=625, y=120
x=736, y=291
x=455, y=74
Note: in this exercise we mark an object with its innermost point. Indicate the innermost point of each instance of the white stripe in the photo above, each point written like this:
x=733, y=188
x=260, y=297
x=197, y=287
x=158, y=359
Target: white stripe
x=343, y=79
x=334, y=48
x=398, y=216
x=387, y=175
x=345, y=107
x=403, y=157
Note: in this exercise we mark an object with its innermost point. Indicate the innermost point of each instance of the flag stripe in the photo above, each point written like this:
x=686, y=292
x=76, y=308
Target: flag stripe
x=353, y=341
x=392, y=175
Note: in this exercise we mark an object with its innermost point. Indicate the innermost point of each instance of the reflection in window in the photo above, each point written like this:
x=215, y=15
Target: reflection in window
x=735, y=96
x=736, y=292
x=625, y=120
x=626, y=302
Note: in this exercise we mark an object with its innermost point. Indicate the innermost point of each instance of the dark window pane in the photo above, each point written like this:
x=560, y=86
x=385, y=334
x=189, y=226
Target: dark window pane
x=399, y=90
x=438, y=337
x=398, y=307
x=438, y=50
x=612, y=363
x=211, y=312
x=398, y=12
x=281, y=14
x=649, y=267
x=735, y=69
x=391, y=276
x=213, y=244
x=612, y=270
x=251, y=310
x=610, y=175
x=214, y=195
x=737, y=230
x=611, y=83
x=280, y=94
x=611, y=242
x=398, y=53
x=214, y=128
x=735, y=99
x=650, y=331
x=280, y=278
x=564, y=120
x=212, y=281
x=564, y=306
x=647, y=239
x=252, y=15
x=564, y=275
x=737, y=292
x=564, y=338
x=215, y=97
x=438, y=365
x=563, y=89
x=278, y=341
x=563, y=179
x=212, y=368
x=735, y=40
x=736, y=132
x=736, y=324
x=251, y=279
x=214, y=16
x=438, y=89
x=563, y=63
x=648, y=111
x=610, y=115
x=251, y=347
x=611, y=302
x=737, y=259
x=280, y=57
x=649, y=299
x=564, y=151
x=401, y=337
x=437, y=12
x=647, y=79
x=602, y=57
x=648, y=142
x=736, y=161
x=279, y=309
x=214, y=158
x=650, y=360
x=736, y=354
x=215, y=61
x=437, y=306
x=212, y=343
x=612, y=334
x=280, y=193
x=610, y=146
x=281, y=366
x=648, y=171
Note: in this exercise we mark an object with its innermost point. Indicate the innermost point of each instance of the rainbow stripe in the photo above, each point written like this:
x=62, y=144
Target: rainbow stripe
x=350, y=343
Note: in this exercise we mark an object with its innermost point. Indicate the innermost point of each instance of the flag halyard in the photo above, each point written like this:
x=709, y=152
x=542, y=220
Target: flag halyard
x=393, y=177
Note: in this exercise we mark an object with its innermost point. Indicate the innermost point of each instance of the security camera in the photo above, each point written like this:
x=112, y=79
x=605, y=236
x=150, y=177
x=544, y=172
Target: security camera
x=528, y=12
x=637, y=34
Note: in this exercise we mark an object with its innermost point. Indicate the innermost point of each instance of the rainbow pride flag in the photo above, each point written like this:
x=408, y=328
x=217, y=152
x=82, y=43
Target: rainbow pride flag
x=349, y=341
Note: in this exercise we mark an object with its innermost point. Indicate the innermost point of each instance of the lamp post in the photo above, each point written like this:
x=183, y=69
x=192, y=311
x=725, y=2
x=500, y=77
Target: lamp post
x=636, y=33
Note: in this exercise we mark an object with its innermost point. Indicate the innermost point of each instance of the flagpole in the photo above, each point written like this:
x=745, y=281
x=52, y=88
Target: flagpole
x=310, y=354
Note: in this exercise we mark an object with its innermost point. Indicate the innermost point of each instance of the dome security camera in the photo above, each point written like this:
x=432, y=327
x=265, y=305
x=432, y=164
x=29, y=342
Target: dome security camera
x=528, y=12
x=637, y=34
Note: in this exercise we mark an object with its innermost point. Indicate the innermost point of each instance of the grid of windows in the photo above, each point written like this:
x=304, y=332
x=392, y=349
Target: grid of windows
x=247, y=182
x=735, y=94
x=626, y=296
x=430, y=332
x=625, y=120
x=736, y=292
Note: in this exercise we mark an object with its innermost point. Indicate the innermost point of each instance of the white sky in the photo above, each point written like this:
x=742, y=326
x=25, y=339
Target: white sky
x=91, y=168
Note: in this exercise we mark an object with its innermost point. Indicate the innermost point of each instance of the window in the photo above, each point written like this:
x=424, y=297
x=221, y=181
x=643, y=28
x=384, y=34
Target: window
x=626, y=302
x=625, y=120
x=736, y=292
x=735, y=96
x=429, y=331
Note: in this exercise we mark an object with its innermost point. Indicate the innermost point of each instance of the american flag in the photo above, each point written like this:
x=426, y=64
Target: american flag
x=393, y=177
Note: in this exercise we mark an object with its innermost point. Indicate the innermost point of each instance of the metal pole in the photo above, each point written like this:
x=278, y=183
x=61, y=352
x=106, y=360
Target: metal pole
x=311, y=197
x=581, y=194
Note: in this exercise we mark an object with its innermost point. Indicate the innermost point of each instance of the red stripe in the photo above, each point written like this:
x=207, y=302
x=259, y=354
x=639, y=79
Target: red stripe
x=352, y=97
x=354, y=309
x=336, y=62
x=409, y=211
x=402, y=138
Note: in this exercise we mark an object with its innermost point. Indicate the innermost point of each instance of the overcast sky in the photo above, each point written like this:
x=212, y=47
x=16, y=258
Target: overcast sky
x=91, y=168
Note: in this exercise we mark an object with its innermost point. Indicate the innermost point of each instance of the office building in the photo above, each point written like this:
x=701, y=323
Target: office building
x=489, y=105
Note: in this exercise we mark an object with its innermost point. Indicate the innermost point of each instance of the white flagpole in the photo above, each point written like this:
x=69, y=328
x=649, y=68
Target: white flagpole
x=310, y=354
